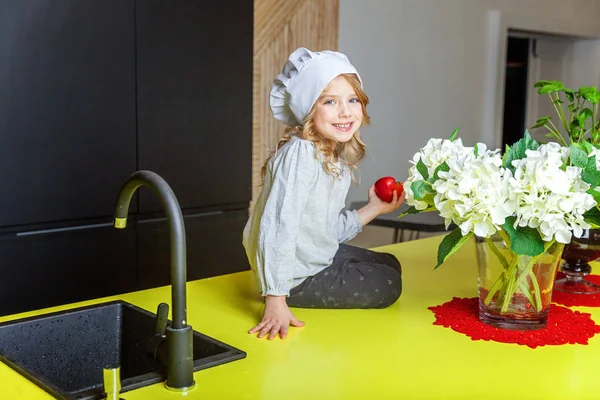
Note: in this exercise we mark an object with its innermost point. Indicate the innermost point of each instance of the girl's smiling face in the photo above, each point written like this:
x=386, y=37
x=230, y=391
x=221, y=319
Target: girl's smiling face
x=338, y=112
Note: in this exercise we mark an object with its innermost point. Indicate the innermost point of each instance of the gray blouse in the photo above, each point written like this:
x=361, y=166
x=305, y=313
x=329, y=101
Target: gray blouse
x=297, y=222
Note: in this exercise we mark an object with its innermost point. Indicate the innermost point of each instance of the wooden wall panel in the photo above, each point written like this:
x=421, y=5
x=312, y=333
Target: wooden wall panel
x=281, y=26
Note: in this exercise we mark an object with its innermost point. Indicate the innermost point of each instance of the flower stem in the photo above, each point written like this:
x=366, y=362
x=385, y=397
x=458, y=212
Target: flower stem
x=514, y=277
x=497, y=252
x=511, y=286
x=497, y=285
x=556, y=133
x=536, y=292
x=525, y=290
x=594, y=117
x=505, y=237
x=524, y=273
x=563, y=117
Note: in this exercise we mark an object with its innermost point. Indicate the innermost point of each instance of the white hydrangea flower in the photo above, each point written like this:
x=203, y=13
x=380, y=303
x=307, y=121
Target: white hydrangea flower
x=434, y=154
x=474, y=193
x=478, y=194
x=547, y=197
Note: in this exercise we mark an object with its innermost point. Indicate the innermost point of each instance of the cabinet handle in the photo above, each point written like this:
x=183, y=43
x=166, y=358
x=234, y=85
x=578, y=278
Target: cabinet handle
x=66, y=229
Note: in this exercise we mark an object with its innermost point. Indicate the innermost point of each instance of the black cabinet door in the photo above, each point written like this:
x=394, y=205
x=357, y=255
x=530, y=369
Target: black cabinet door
x=214, y=247
x=195, y=99
x=67, y=107
x=47, y=269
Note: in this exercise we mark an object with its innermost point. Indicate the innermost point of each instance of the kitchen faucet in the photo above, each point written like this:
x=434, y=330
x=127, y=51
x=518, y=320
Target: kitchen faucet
x=179, y=336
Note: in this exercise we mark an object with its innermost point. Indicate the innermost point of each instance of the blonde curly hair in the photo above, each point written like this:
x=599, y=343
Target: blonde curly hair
x=349, y=153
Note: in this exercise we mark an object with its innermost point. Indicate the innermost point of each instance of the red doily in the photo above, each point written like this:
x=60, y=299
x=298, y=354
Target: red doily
x=577, y=300
x=564, y=325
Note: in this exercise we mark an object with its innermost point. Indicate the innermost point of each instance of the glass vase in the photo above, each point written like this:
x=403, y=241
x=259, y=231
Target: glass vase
x=515, y=290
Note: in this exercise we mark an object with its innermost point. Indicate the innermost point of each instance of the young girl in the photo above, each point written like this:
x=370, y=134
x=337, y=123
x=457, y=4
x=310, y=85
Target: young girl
x=293, y=237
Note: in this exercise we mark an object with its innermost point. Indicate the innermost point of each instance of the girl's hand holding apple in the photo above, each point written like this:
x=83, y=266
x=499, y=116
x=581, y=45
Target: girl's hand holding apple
x=384, y=188
x=385, y=196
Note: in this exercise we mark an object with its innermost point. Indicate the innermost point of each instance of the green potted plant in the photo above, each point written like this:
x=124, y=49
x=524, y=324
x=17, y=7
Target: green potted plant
x=577, y=112
x=578, y=125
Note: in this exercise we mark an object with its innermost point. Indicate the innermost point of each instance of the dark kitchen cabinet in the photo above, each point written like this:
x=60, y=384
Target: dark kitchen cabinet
x=42, y=269
x=93, y=90
x=214, y=247
x=195, y=101
x=67, y=108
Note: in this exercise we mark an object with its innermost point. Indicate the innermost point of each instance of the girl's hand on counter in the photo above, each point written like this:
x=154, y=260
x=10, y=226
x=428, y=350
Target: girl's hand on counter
x=276, y=319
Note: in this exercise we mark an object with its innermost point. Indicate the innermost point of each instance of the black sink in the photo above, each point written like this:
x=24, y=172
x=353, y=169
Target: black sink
x=65, y=352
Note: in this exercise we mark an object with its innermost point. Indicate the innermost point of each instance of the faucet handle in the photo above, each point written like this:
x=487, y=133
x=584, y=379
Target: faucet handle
x=162, y=314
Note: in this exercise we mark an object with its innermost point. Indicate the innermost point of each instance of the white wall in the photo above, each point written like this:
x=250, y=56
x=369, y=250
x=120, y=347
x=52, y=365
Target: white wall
x=586, y=70
x=423, y=63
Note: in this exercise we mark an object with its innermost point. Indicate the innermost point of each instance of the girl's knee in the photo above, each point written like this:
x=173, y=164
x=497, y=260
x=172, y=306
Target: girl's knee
x=393, y=262
x=393, y=289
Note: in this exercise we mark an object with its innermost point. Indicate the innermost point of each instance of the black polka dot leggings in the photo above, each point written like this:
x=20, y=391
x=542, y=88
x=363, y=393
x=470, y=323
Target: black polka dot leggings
x=357, y=278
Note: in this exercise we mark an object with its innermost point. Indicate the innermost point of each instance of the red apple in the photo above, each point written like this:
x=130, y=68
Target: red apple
x=384, y=188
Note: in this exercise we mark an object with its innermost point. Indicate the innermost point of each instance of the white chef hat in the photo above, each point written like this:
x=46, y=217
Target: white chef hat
x=304, y=76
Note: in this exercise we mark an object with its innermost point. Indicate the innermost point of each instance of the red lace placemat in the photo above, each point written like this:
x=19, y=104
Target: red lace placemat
x=577, y=300
x=564, y=325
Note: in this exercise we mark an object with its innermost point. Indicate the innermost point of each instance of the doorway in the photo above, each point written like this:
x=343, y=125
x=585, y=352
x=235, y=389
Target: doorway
x=531, y=57
x=515, y=89
x=570, y=53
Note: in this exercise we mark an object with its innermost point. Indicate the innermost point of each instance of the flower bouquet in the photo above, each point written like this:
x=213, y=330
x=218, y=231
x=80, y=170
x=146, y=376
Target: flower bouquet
x=522, y=207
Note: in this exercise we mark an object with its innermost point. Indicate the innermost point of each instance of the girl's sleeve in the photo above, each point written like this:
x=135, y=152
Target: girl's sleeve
x=292, y=174
x=348, y=225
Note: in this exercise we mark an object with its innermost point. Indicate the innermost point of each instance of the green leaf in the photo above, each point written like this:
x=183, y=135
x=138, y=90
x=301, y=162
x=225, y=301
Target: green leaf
x=422, y=168
x=590, y=93
x=587, y=146
x=591, y=177
x=595, y=194
x=454, y=134
x=591, y=163
x=429, y=198
x=517, y=151
x=505, y=155
x=563, y=167
x=413, y=210
x=541, y=122
x=541, y=83
x=579, y=158
x=524, y=240
x=592, y=216
x=410, y=210
x=551, y=86
x=450, y=244
x=442, y=167
x=570, y=93
x=421, y=189
x=585, y=113
x=476, y=150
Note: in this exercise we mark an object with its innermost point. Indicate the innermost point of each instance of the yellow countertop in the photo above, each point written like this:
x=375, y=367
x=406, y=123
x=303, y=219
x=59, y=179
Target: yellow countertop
x=393, y=353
